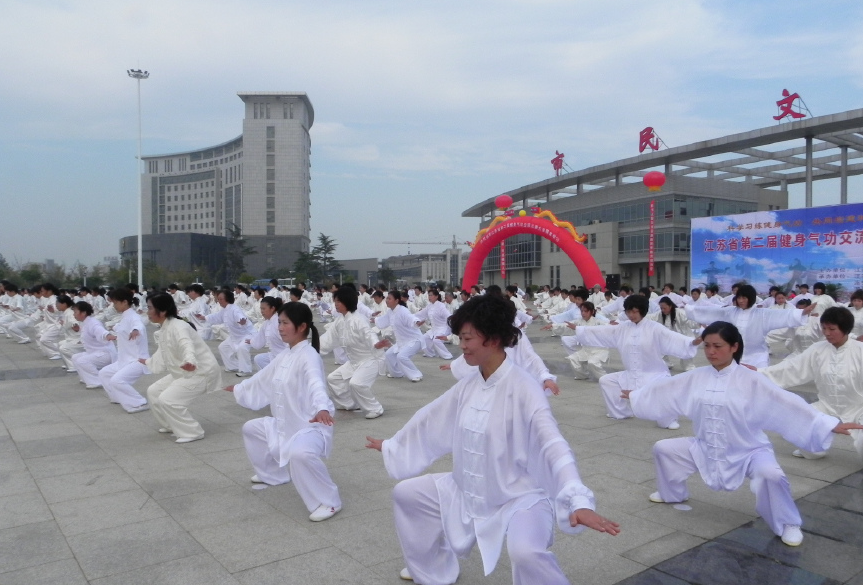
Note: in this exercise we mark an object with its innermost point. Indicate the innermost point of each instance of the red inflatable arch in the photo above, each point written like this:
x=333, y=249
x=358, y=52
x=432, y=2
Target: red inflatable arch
x=561, y=237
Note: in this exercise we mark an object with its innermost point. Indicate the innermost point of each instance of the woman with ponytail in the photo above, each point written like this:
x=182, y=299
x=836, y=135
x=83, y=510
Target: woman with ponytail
x=730, y=407
x=289, y=445
x=191, y=366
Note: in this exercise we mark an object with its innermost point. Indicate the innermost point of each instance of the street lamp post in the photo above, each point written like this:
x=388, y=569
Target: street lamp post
x=138, y=75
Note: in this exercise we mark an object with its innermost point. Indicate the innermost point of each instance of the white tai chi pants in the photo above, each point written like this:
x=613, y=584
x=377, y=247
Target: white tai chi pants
x=236, y=355
x=169, y=401
x=16, y=329
x=773, y=500
x=117, y=380
x=398, y=358
x=619, y=407
x=69, y=348
x=430, y=558
x=89, y=363
x=305, y=464
x=435, y=347
x=351, y=387
x=49, y=340
x=262, y=360
x=592, y=367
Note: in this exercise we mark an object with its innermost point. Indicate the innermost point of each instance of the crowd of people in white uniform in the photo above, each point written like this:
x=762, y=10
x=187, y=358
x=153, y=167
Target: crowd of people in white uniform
x=512, y=470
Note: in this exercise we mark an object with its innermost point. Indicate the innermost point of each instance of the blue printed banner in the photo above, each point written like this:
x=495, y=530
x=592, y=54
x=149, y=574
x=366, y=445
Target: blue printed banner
x=784, y=248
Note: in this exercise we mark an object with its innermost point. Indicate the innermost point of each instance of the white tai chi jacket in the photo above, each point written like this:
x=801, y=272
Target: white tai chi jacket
x=294, y=386
x=730, y=409
x=507, y=451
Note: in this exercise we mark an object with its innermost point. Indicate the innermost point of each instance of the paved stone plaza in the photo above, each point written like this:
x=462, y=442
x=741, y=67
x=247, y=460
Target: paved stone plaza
x=90, y=494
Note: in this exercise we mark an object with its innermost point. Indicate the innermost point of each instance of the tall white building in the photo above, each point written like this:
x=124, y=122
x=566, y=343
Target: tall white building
x=258, y=182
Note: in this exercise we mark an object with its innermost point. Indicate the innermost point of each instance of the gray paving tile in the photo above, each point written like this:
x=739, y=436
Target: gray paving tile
x=30, y=545
x=23, y=508
x=132, y=546
x=838, y=525
x=703, y=520
x=200, y=569
x=55, y=446
x=105, y=511
x=215, y=507
x=328, y=566
x=16, y=482
x=256, y=541
x=66, y=572
x=54, y=465
x=839, y=496
x=75, y=486
x=171, y=483
x=662, y=548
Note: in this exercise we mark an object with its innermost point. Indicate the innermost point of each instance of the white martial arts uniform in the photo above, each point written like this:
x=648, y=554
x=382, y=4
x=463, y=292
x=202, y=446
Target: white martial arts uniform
x=98, y=351
x=409, y=341
x=351, y=384
x=838, y=376
x=71, y=343
x=170, y=397
x=858, y=321
x=513, y=476
x=730, y=409
x=641, y=346
x=681, y=325
x=199, y=306
x=268, y=336
x=436, y=314
x=234, y=350
x=587, y=362
x=286, y=446
x=754, y=324
x=117, y=378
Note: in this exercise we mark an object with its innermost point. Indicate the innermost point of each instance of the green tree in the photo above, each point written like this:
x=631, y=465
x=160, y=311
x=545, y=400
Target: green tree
x=30, y=275
x=306, y=266
x=6, y=271
x=324, y=254
x=386, y=276
x=235, y=254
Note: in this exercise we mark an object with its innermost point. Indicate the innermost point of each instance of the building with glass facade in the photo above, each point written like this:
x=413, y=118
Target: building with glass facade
x=258, y=182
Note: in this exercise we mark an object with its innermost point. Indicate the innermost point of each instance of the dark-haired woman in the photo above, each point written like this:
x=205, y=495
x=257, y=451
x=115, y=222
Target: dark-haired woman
x=836, y=366
x=191, y=366
x=290, y=444
x=670, y=318
x=131, y=337
x=71, y=343
x=513, y=473
x=409, y=338
x=98, y=351
x=268, y=335
x=753, y=323
x=730, y=407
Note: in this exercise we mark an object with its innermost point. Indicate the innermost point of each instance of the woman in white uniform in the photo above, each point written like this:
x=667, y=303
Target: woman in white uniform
x=587, y=362
x=268, y=335
x=289, y=445
x=234, y=350
x=670, y=318
x=409, y=339
x=730, y=407
x=437, y=314
x=513, y=473
x=131, y=337
x=71, y=343
x=191, y=367
x=98, y=351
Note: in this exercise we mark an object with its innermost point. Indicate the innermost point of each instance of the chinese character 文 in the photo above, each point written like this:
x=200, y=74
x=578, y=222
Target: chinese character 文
x=844, y=238
x=648, y=138
x=785, y=106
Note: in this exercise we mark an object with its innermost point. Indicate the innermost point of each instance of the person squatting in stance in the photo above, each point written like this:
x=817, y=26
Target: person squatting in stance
x=350, y=384
x=409, y=338
x=131, y=337
x=587, y=362
x=642, y=344
x=730, y=407
x=836, y=366
x=291, y=444
x=513, y=473
x=98, y=351
x=191, y=367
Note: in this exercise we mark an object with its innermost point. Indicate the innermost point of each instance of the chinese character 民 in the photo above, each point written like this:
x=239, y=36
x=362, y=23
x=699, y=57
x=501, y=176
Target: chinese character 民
x=648, y=138
x=785, y=105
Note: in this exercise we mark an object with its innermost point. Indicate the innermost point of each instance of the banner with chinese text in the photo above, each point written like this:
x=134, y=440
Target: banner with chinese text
x=783, y=248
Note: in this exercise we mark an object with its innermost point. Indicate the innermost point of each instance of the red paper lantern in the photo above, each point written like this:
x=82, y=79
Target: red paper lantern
x=654, y=180
x=503, y=201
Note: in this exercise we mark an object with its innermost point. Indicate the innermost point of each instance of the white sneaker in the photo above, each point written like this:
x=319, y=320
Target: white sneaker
x=809, y=455
x=656, y=498
x=92, y=386
x=56, y=357
x=244, y=374
x=139, y=409
x=165, y=430
x=323, y=513
x=23, y=341
x=792, y=535
x=673, y=426
x=417, y=380
x=405, y=574
x=256, y=479
x=374, y=414
x=189, y=439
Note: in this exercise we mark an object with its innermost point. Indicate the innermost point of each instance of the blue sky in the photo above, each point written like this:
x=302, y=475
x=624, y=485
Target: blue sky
x=421, y=109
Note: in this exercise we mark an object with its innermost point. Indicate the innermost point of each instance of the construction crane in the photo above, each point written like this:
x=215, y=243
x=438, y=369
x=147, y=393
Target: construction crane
x=454, y=243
